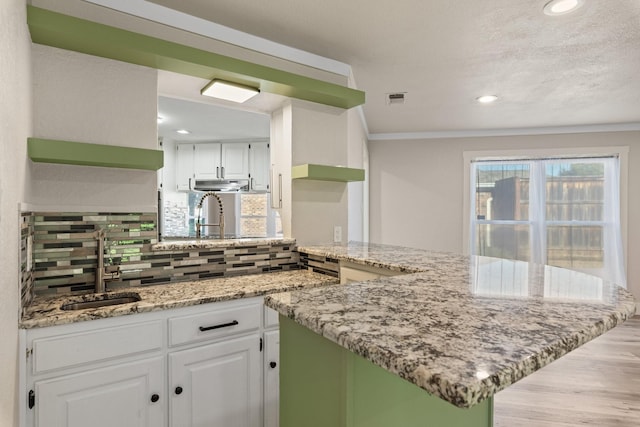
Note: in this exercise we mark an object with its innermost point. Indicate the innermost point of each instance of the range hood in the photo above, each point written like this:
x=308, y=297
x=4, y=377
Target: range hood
x=221, y=185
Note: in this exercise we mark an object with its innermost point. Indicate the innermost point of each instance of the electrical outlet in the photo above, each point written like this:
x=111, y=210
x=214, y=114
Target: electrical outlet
x=337, y=234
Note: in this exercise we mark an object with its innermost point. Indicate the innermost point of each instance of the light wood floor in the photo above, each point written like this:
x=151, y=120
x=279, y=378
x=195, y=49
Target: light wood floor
x=596, y=385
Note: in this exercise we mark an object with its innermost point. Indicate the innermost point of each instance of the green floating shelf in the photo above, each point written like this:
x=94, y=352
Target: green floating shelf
x=85, y=154
x=79, y=35
x=327, y=173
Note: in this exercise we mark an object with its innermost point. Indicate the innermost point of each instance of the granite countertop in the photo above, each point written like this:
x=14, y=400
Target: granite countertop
x=464, y=327
x=186, y=244
x=46, y=311
x=395, y=258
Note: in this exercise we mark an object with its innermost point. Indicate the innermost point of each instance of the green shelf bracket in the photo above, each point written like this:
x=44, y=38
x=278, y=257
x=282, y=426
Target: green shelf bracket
x=80, y=35
x=86, y=154
x=327, y=173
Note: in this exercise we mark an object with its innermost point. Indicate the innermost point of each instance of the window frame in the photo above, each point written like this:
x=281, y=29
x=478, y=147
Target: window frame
x=622, y=152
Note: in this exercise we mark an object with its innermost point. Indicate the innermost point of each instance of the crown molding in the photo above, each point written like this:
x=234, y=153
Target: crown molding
x=478, y=133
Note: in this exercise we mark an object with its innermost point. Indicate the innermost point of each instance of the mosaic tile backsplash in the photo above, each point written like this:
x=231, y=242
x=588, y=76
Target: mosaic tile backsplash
x=65, y=254
x=320, y=264
x=26, y=268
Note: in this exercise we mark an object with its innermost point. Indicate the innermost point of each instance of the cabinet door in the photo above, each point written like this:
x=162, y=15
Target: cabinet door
x=235, y=160
x=216, y=385
x=350, y=272
x=259, y=166
x=184, y=166
x=206, y=161
x=271, y=378
x=350, y=275
x=116, y=396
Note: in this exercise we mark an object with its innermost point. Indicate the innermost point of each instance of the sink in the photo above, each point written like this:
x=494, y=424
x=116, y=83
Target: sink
x=104, y=300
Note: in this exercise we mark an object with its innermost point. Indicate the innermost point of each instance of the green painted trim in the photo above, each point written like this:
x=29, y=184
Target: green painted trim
x=323, y=384
x=71, y=33
x=82, y=153
x=327, y=173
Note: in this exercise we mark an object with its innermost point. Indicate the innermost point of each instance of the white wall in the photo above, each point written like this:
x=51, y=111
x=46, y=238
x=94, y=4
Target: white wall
x=84, y=98
x=357, y=158
x=416, y=196
x=280, y=137
x=15, y=127
x=319, y=136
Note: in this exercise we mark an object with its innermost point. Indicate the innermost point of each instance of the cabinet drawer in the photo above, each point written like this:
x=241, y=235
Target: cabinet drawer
x=66, y=351
x=213, y=324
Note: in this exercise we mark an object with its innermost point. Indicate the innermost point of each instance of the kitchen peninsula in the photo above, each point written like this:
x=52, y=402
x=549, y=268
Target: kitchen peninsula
x=429, y=348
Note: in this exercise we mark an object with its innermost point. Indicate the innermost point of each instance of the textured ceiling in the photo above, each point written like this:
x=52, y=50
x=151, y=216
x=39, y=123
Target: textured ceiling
x=571, y=70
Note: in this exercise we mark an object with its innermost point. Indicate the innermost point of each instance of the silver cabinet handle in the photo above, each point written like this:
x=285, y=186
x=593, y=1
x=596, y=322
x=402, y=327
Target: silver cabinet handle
x=217, y=171
x=250, y=183
x=222, y=168
x=279, y=190
x=272, y=186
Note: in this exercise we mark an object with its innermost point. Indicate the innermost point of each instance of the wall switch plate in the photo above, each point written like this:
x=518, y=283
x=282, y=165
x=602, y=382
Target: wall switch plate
x=337, y=234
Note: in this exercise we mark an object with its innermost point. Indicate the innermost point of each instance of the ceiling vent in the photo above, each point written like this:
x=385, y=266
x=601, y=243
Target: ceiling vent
x=396, y=98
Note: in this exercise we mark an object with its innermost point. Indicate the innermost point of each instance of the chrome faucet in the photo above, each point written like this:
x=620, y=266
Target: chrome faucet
x=220, y=223
x=103, y=274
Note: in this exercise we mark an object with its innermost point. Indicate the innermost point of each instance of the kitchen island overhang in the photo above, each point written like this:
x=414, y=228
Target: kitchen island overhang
x=462, y=330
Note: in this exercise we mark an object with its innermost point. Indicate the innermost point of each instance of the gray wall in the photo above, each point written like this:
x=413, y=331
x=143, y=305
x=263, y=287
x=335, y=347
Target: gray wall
x=15, y=127
x=416, y=196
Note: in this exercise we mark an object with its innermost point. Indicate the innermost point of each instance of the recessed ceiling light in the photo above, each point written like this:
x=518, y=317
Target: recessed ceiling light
x=183, y=132
x=560, y=7
x=229, y=91
x=486, y=99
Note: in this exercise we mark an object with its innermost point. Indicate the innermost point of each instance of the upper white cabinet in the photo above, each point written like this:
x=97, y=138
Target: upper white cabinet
x=207, y=160
x=235, y=160
x=259, y=161
x=184, y=166
x=210, y=160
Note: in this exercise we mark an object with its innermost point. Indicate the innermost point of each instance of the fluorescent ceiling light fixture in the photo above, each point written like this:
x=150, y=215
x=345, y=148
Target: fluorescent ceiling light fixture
x=229, y=91
x=487, y=99
x=560, y=7
x=183, y=132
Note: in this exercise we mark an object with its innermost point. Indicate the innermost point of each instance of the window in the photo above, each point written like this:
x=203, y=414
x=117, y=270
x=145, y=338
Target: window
x=563, y=212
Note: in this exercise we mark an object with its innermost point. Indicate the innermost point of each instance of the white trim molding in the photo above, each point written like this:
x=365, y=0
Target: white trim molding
x=553, y=130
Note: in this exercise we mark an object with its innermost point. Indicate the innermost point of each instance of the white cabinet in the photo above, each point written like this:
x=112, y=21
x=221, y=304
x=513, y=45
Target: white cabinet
x=271, y=378
x=210, y=160
x=184, y=167
x=259, y=160
x=351, y=272
x=271, y=368
x=235, y=160
x=217, y=384
x=205, y=365
x=102, y=373
x=206, y=160
x=127, y=395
